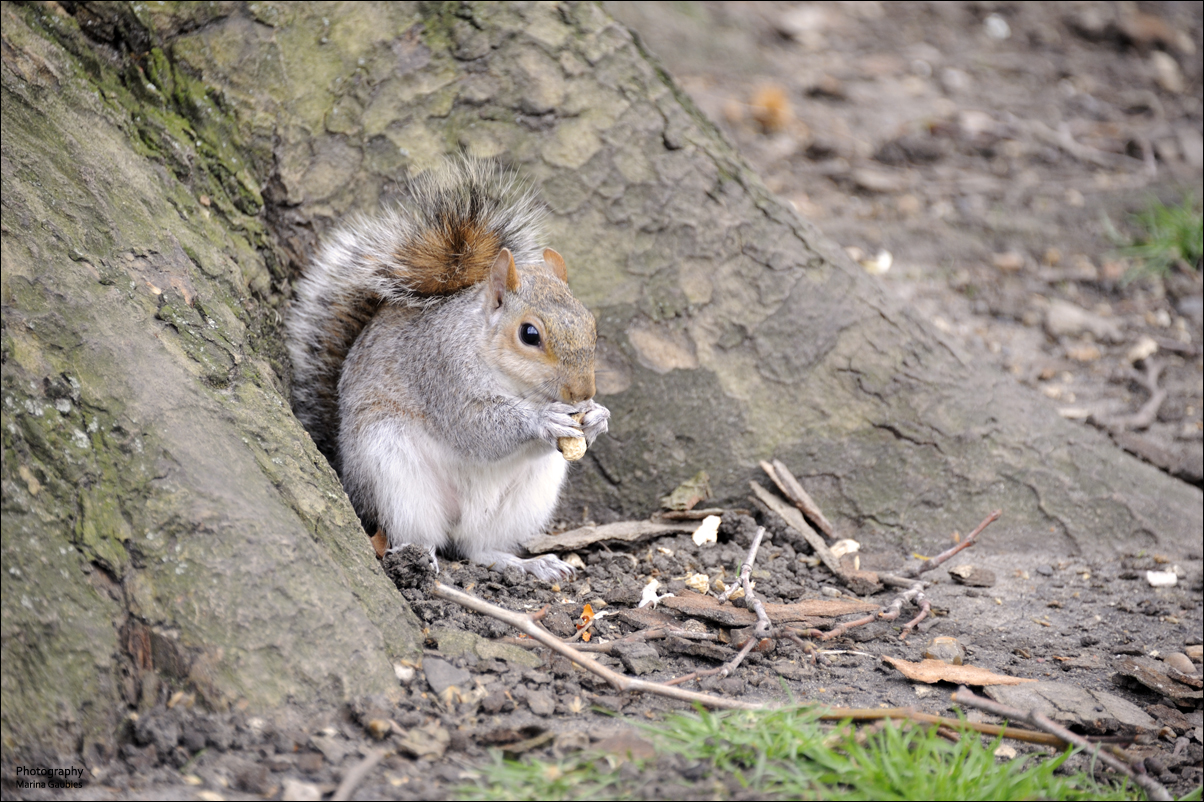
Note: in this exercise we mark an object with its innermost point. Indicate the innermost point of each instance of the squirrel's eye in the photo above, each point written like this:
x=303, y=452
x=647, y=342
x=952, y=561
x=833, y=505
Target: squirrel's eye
x=528, y=334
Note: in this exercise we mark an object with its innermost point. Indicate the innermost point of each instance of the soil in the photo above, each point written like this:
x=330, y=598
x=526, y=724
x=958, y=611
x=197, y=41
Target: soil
x=905, y=128
x=997, y=153
x=1054, y=619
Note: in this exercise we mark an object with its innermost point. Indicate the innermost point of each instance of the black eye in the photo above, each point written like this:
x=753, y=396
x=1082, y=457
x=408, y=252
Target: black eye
x=528, y=334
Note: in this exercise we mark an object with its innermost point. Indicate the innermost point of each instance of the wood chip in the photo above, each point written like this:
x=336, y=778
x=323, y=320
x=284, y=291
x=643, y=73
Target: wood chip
x=708, y=608
x=860, y=582
x=625, y=531
x=931, y=671
x=793, y=490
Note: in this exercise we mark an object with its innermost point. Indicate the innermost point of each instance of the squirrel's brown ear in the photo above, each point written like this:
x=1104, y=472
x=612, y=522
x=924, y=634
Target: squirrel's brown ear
x=503, y=277
x=556, y=262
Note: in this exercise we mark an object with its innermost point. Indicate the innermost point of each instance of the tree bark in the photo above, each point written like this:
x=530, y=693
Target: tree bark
x=168, y=523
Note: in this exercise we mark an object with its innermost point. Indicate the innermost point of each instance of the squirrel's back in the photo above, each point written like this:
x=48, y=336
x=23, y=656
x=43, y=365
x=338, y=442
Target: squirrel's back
x=443, y=240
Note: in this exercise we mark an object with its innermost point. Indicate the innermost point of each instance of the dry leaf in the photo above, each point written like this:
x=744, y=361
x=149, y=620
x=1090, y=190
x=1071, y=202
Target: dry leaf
x=936, y=671
x=699, y=583
x=707, y=532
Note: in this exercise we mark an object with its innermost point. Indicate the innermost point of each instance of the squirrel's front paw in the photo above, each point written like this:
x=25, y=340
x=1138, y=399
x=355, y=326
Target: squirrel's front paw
x=595, y=421
x=557, y=421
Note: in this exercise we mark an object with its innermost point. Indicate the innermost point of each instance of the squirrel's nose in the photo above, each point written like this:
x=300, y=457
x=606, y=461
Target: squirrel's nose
x=579, y=389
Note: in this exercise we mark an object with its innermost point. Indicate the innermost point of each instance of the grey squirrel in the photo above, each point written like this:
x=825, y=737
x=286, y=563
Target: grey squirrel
x=438, y=361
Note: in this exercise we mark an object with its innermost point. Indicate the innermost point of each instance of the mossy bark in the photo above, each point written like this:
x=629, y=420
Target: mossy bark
x=166, y=167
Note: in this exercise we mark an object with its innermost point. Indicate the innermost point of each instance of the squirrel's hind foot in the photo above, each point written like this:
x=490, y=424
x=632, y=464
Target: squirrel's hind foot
x=546, y=567
x=416, y=554
x=410, y=566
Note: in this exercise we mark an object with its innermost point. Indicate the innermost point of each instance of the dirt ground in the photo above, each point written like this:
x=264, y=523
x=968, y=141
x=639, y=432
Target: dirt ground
x=985, y=158
x=991, y=149
x=1071, y=624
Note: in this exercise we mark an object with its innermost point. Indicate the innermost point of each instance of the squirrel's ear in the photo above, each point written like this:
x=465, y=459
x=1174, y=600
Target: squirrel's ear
x=503, y=278
x=556, y=262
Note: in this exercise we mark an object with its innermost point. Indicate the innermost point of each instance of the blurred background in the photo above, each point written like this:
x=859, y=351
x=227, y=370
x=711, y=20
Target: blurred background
x=1026, y=176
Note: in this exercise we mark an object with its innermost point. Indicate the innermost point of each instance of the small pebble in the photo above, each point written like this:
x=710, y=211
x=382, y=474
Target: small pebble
x=300, y=791
x=972, y=576
x=996, y=27
x=946, y=649
x=1161, y=579
x=1179, y=662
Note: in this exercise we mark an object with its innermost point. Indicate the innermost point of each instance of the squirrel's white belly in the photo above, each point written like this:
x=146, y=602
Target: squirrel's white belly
x=504, y=504
x=428, y=494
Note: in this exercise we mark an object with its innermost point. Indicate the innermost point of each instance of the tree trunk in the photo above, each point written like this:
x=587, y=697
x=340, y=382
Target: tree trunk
x=168, y=523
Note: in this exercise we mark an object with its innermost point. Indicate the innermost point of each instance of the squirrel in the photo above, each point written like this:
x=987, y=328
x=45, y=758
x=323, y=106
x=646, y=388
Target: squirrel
x=438, y=361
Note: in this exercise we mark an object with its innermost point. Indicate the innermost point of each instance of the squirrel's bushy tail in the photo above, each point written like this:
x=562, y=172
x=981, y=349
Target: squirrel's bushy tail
x=443, y=240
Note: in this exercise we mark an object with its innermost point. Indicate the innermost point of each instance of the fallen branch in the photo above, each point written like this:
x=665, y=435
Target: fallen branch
x=914, y=593
x=524, y=624
x=1062, y=138
x=933, y=562
x=693, y=515
x=654, y=633
x=843, y=628
x=724, y=670
x=925, y=609
x=792, y=489
x=1126, y=766
x=795, y=519
x=1144, y=417
x=750, y=598
x=762, y=626
x=356, y=774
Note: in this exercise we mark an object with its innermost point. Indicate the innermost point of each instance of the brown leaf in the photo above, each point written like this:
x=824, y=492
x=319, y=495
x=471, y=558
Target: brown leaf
x=931, y=671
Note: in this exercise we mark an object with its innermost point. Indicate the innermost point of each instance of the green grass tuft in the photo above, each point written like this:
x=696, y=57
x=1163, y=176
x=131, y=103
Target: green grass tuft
x=1166, y=235
x=786, y=754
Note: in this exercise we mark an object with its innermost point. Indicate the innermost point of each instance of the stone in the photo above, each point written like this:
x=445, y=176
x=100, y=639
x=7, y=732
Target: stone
x=295, y=790
x=639, y=657
x=1095, y=711
x=541, y=702
x=442, y=675
x=972, y=576
x=333, y=748
x=1064, y=319
x=946, y=649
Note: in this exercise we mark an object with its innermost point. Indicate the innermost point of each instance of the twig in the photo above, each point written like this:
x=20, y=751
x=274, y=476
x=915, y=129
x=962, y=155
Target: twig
x=933, y=562
x=356, y=774
x=910, y=714
x=888, y=613
x=654, y=633
x=694, y=515
x=795, y=518
x=843, y=628
x=724, y=670
x=925, y=609
x=745, y=568
x=792, y=489
x=750, y=598
x=1142, y=418
x=1063, y=139
x=524, y=624
x=1152, y=787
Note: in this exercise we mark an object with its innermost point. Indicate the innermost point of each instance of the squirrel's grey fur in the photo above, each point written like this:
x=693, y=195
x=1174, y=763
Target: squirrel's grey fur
x=410, y=375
